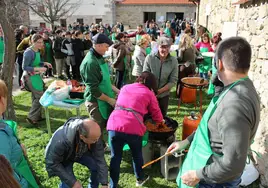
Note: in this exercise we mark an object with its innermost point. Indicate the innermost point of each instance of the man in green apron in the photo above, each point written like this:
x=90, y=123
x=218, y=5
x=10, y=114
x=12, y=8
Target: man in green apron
x=219, y=148
x=99, y=93
x=137, y=34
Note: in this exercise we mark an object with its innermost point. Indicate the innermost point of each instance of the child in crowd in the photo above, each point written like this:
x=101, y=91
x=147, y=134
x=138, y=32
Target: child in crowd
x=154, y=45
x=215, y=85
x=204, y=46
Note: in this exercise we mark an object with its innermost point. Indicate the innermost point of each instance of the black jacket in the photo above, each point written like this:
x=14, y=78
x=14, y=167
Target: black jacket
x=78, y=48
x=87, y=44
x=57, y=48
x=64, y=147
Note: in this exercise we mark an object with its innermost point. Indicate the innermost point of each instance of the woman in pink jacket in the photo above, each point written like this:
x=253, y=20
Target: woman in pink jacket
x=125, y=124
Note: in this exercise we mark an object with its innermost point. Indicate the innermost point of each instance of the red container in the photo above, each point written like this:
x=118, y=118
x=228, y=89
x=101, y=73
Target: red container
x=188, y=95
x=190, y=124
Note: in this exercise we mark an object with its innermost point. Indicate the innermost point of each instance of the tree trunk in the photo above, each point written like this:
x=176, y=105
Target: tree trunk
x=52, y=25
x=9, y=63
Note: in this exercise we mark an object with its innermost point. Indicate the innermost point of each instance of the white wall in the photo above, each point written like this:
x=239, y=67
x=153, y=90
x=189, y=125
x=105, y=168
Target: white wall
x=86, y=10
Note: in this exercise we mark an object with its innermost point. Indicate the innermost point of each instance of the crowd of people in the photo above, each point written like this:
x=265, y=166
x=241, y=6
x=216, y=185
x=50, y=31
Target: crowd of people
x=217, y=150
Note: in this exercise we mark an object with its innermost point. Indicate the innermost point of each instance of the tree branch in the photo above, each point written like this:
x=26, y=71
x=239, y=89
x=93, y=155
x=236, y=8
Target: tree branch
x=54, y=10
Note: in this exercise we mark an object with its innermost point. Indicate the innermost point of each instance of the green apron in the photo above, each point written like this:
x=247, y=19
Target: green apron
x=48, y=52
x=205, y=66
x=138, y=37
x=36, y=79
x=211, y=88
x=2, y=50
x=167, y=32
x=105, y=87
x=200, y=149
x=148, y=50
x=22, y=168
x=113, y=37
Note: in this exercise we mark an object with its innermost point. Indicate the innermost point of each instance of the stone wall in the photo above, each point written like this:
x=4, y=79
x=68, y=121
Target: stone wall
x=252, y=19
x=133, y=14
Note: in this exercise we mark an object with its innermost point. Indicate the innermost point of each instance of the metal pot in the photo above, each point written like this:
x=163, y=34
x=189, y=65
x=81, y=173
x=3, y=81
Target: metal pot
x=164, y=135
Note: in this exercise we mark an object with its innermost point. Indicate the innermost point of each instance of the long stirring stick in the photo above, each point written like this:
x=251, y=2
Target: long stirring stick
x=159, y=158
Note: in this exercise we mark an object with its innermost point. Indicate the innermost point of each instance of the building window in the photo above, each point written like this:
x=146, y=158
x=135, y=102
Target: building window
x=80, y=20
x=98, y=20
x=149, y=16
x=175, y=15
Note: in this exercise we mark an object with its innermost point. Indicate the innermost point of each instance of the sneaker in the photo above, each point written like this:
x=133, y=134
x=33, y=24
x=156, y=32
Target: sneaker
x=139, y=183
x=32, y=122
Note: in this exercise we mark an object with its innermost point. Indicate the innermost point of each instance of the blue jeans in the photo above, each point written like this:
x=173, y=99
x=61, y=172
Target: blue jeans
x=90, y=163
x=233, y=184
x=204, y=75
x=95, y=162
x=118, y=140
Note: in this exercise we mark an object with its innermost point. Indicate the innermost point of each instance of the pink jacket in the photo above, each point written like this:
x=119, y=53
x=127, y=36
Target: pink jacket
x=139, y=98
x=204, y=45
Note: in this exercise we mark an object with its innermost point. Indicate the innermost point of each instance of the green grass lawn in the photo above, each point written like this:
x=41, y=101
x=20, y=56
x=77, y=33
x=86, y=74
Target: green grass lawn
x=36, y=139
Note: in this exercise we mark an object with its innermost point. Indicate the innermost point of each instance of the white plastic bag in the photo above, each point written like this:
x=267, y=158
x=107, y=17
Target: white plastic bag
x=57, y=91
x=249, y=175
x=62, y=93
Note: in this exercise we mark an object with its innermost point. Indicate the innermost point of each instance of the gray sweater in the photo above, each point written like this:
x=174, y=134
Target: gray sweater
x=166, y=72
x=231, y=130
x=28, y=60
x=139, y=57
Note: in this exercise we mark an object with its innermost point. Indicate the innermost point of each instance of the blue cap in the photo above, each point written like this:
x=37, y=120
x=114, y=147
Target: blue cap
x=101, y=39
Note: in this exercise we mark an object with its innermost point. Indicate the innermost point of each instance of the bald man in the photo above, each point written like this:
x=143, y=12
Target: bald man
x=77, y=141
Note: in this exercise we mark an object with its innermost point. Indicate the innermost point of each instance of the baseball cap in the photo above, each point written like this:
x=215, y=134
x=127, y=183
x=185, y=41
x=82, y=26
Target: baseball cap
x=101, y=38
x=165, y=41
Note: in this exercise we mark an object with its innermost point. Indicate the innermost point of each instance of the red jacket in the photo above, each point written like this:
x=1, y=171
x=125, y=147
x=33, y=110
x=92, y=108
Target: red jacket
x=136, y=33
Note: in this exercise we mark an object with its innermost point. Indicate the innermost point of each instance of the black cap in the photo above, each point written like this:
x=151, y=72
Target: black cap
x=101, y=38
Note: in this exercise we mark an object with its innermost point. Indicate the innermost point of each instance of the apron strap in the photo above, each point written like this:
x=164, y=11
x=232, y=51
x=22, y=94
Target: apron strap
x=118, y=107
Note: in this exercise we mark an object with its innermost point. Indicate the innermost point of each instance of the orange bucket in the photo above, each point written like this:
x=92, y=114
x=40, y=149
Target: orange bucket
x=189, y=125
x=188, y=95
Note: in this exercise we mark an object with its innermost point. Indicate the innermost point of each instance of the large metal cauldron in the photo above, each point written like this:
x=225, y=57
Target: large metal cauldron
x=163, y=136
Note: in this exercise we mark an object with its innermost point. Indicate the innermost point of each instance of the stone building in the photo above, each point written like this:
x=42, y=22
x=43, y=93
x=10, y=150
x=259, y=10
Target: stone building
x=135, y=12
x=249, y=19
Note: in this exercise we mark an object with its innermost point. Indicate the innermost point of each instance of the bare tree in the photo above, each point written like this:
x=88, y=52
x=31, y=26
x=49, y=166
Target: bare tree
x=53, y=10
x=9, y=11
